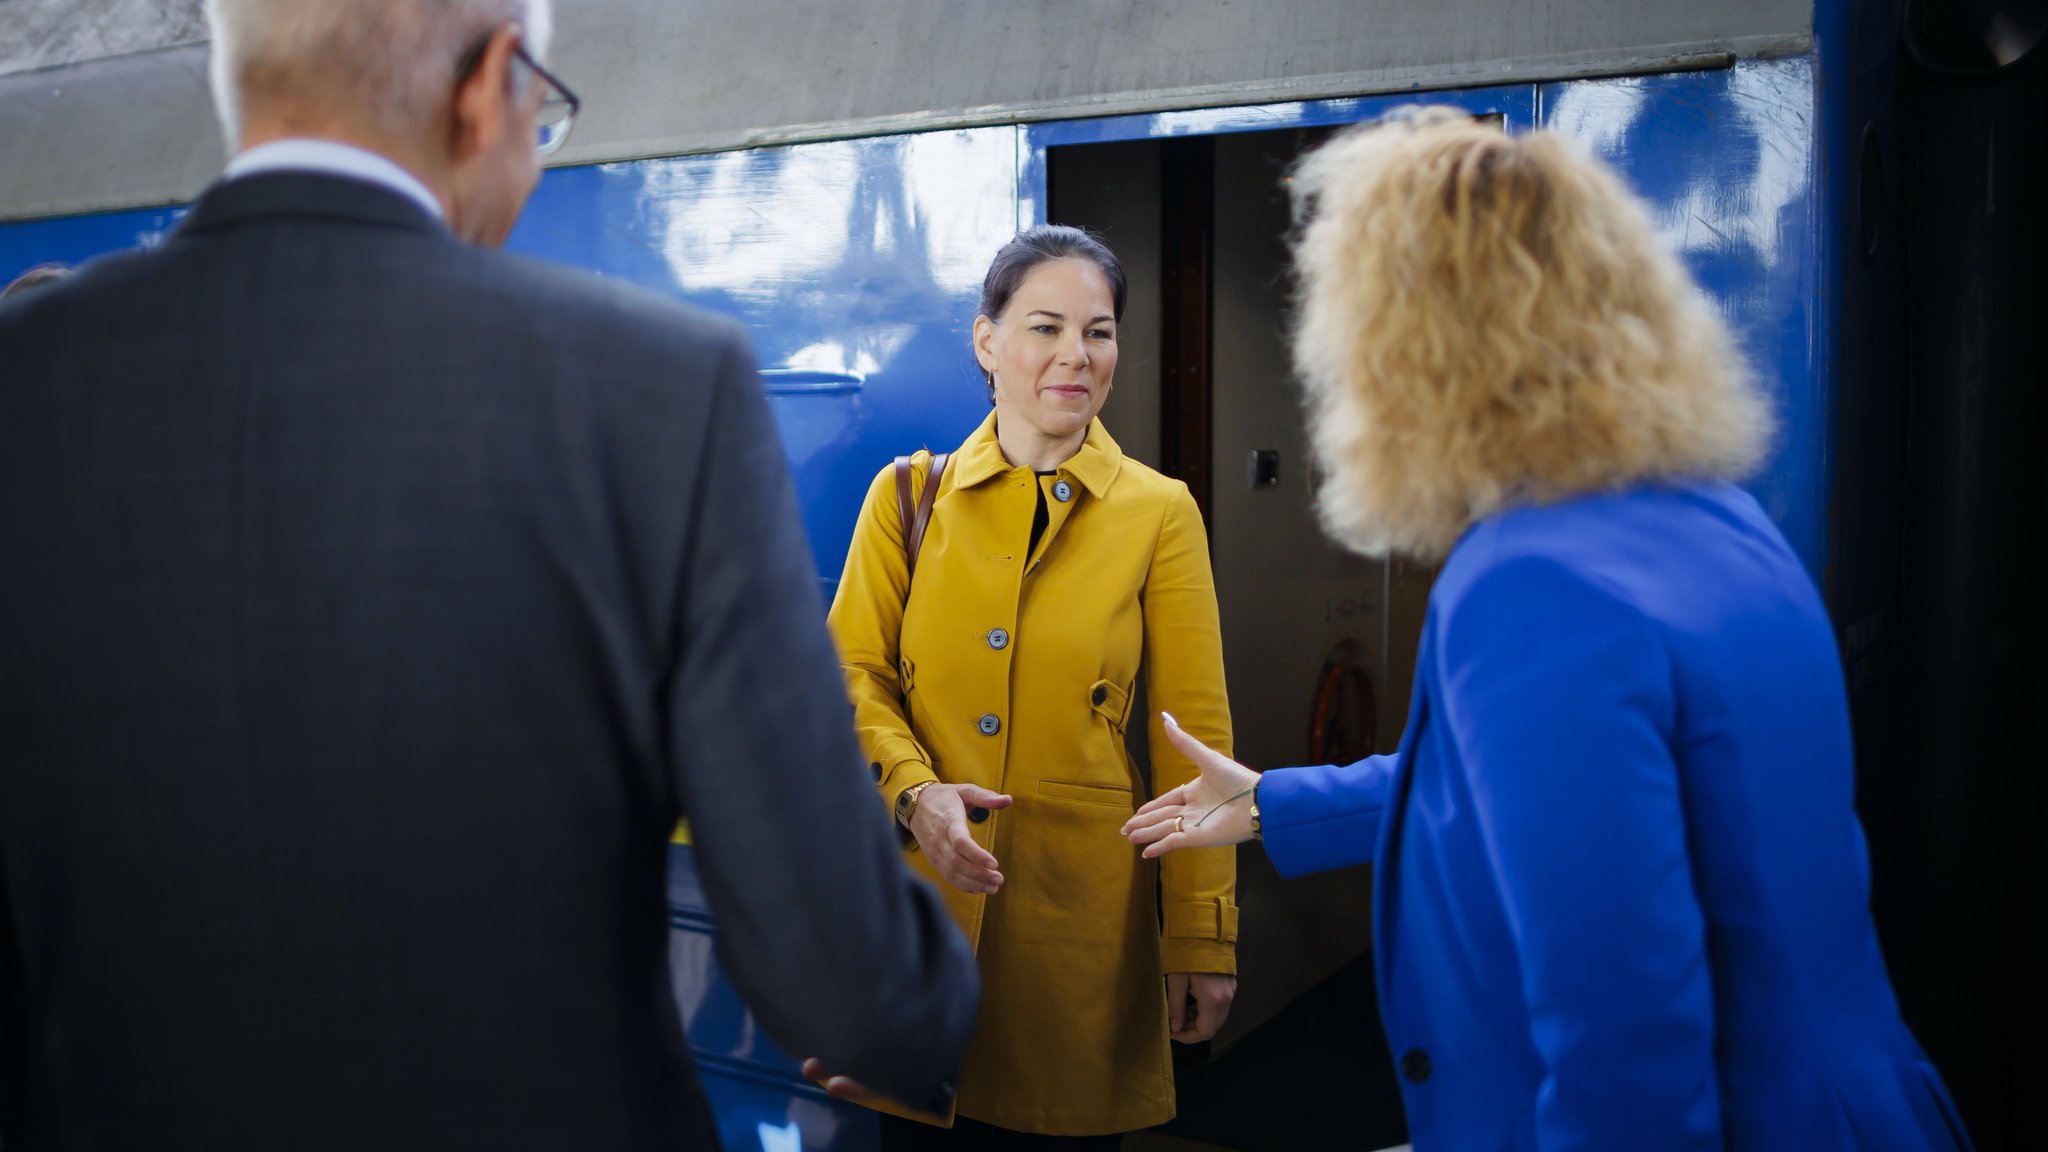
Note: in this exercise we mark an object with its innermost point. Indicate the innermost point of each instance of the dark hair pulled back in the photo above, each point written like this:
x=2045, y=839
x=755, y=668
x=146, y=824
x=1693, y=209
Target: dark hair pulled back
x=1034, y=246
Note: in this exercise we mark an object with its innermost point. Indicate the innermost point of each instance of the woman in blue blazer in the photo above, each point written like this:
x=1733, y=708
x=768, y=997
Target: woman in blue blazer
x=1621, y=893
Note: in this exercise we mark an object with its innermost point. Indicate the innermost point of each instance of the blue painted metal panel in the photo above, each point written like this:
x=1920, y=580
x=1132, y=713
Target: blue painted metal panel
x=856, y=264
x=760, y=1099
x=75, y=239
x=1837, y=157
x=1728, y=161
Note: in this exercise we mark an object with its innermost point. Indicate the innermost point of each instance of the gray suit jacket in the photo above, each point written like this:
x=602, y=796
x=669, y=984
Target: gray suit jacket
x=371, y=605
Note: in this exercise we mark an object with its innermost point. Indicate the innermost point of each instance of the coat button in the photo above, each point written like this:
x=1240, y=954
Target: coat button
x=988, y=724
x=978, y=815
x=877, y=766
x=1099, y=695
x=1062, y=491
x=998, y=639
x=1415, y=1065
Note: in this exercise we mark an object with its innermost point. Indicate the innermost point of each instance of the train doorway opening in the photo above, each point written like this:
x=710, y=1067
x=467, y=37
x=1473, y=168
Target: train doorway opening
x=1318, y=643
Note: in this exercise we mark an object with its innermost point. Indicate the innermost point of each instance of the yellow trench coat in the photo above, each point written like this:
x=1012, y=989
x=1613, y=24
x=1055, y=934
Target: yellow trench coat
x=1015, y=672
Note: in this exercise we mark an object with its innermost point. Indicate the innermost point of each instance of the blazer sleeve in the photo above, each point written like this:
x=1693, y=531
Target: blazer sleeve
x=838, y=950
x=867, y=625
x=1316, y=819
x=1561, y=699
x=1184, y=676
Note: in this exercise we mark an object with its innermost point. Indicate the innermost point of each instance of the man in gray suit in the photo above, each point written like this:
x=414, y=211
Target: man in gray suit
x=372, y=603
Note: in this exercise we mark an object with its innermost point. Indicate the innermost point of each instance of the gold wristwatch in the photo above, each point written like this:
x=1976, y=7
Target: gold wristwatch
x=1256, y=833
x=906, y=801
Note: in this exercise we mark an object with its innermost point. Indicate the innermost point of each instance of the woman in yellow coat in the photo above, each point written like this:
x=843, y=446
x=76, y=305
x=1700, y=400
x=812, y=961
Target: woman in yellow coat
x=992, y=697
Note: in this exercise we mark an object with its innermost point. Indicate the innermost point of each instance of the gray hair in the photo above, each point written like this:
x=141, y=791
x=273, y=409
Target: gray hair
x=386, y=63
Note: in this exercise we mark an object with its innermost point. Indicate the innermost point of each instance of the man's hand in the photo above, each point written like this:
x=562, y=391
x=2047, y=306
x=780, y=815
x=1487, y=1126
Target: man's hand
x=847, y=1088
x=1197, y=1003
x=842, y=1087
x=1210, y=811
x=940, y=824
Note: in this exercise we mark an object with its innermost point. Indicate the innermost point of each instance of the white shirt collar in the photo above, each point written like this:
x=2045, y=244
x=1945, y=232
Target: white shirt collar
x=308, y=155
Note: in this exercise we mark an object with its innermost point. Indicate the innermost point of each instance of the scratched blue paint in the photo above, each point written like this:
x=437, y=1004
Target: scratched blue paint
x=1728, y=161
x=856, y=265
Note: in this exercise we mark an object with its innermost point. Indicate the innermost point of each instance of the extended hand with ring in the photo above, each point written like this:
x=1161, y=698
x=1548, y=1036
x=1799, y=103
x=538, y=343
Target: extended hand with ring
x=1210, y=811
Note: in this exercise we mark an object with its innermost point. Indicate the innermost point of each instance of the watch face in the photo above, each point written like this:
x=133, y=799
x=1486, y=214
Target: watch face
x=906, y=798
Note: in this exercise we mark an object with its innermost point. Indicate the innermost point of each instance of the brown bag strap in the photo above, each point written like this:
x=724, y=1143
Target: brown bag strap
x=905, y=510
x=914, y=522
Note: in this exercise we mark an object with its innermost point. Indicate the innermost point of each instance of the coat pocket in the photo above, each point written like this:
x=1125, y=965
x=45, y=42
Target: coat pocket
x=1072, y=879
x=1104, y=794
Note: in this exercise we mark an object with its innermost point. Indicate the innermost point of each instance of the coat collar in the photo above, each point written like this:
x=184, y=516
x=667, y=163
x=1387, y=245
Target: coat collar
x=1095, y=465
x=306, y=194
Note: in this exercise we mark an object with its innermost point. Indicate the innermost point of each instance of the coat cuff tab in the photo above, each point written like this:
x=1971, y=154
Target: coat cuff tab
x=1202, y=920
x=1111, y=701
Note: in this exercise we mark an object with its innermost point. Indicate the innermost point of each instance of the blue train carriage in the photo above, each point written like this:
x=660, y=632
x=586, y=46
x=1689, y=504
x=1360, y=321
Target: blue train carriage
x=837, y=176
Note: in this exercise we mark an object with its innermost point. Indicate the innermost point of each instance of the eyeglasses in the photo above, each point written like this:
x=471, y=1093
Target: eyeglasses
x=558, y=105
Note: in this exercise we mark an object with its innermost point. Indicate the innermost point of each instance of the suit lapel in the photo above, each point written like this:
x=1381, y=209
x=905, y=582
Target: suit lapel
x=1387, y=856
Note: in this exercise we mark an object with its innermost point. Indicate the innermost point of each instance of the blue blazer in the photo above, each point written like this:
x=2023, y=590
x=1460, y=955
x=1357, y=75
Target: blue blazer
x=1621, y=895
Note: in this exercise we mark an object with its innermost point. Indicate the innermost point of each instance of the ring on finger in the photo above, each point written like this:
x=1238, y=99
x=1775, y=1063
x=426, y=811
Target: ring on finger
x=1179, y=823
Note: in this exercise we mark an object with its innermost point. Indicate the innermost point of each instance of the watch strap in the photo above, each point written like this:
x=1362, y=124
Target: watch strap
x=906, y=801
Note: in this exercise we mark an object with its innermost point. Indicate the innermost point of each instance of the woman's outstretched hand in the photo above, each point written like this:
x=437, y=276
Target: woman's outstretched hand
x=940, y=824
x=1221, y=793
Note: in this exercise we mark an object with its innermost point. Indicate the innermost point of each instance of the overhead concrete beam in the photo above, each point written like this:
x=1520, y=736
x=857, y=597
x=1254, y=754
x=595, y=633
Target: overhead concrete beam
x=37, y=34
x=134, y=128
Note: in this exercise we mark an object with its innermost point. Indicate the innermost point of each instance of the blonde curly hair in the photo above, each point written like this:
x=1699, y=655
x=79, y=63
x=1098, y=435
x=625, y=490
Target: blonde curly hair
x=1488, y=320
